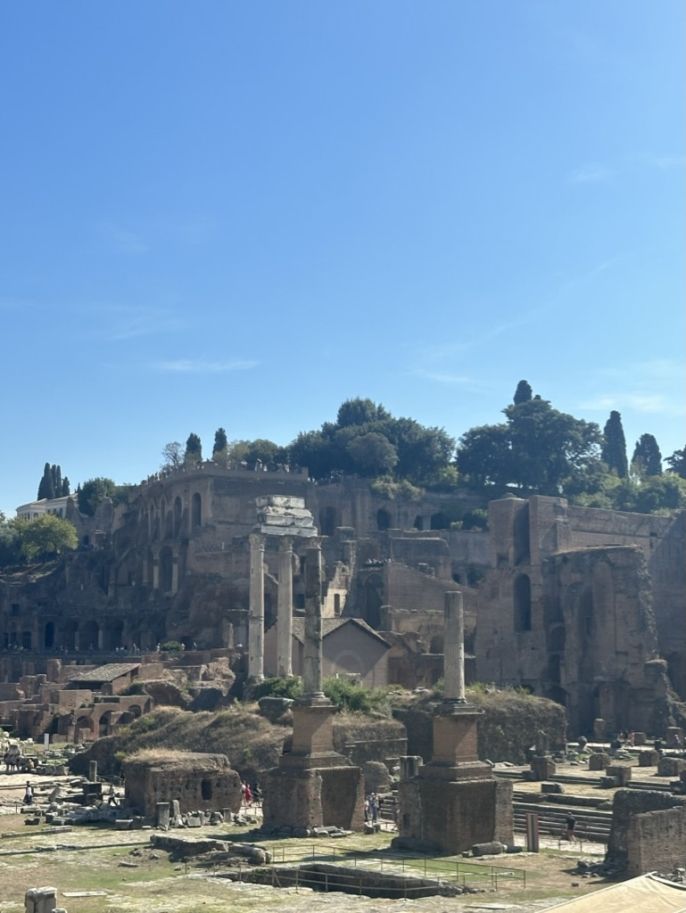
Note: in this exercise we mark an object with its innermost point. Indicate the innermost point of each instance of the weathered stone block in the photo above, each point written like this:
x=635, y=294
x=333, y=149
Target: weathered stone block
x=648, y=758
x=598, y=761
x=670, y=767
x=620, y=772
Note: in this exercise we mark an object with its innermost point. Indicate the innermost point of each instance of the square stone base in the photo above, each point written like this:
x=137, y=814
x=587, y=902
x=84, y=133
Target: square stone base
x=302, y=796
x=542, y=768
x=451, y=816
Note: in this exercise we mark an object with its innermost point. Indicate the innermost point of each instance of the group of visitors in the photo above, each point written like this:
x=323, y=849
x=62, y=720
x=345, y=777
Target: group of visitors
x=250, y=795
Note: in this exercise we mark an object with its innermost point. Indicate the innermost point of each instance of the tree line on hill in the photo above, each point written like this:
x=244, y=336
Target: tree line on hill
x=536, y=449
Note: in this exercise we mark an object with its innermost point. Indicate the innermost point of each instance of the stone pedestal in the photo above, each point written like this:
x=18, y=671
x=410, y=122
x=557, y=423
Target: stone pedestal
x=313, y=786
x=542, y=768
x=454, y=801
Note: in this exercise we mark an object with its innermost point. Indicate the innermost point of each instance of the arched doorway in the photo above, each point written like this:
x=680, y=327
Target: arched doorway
x=383, y=519
x=105, y=724
x=89, y=635
x=178, y=515
x=166, y=569
x=328, y=521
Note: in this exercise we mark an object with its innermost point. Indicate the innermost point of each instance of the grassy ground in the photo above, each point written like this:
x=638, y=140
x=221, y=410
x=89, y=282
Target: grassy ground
x=139, y=880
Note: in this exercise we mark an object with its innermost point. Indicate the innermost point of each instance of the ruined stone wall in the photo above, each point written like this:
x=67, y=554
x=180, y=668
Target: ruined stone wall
x=648, y=829
x=201, y=782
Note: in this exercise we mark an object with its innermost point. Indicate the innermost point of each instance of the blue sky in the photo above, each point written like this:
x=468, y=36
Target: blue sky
x=241, y=214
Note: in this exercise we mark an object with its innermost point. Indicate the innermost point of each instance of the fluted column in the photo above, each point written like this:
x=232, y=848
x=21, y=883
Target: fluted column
x=256, y=610
x=453, y=649
x=284, y=611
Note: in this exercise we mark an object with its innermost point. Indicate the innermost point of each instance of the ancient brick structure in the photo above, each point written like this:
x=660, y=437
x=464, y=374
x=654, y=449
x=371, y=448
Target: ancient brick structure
x=648, y=831
x=579, y=605
x=199, y=781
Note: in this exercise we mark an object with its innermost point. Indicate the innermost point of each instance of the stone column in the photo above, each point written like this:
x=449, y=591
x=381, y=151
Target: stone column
x=312, y=654
x=284, y=614
x=256, y=610
x=453, y=649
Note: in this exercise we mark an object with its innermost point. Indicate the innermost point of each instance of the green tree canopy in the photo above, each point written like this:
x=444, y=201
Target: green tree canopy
x=94, y=492
x=46, y=537
x=422, y=454
x=677, y=462
x=258, y=451
x=193, y=452
x=373, y=454
x=537, y=450
x=613, y=452
x=647, y=459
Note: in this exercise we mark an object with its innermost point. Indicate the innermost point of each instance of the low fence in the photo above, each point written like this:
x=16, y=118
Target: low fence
x=435, y=867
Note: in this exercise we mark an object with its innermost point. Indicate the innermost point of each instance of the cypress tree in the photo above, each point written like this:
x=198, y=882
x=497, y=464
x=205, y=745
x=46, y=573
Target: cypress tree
x=65, y=486
x=43, y=485
x=614, y=446
x=193, y=452
x=647, y=459
x=221, y=447
x=57, y=480
x=523, y=393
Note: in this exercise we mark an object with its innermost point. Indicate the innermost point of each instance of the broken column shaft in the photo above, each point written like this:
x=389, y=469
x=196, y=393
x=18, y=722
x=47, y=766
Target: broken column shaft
x=453, y=649
x=312, y=654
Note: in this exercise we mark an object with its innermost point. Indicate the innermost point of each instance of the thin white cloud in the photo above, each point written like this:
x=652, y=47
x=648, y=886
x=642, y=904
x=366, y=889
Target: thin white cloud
x=123, y=239
x=203, y=366
x=593, y=173
x=643, y=402
x=666, y=162
x=129, y=322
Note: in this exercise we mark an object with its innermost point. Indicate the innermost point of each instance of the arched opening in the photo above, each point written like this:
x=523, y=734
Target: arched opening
x=135, y=711
x=178, y=514
x=89, y=635
x=105, y=724
x=196, y=511
x=113, y=634
x=70, y=635
x=337, y=604
x=586, y=615
x=49, y=635
x=372, y=602
x=522, y=603
x=166, y=569
x=26, y=640
x=82, y=730
x=168, y=525
x=436, y=645
x=383, y=519
x=150, y=568
x=206, y=790
x=419, y=522
x=440, y=521
x=328, y=521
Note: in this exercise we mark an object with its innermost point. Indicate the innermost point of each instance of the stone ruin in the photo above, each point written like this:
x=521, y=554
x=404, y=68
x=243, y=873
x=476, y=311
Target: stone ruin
x=648, y=832
x=195, y=780
x=454, y=801
x=313, y=786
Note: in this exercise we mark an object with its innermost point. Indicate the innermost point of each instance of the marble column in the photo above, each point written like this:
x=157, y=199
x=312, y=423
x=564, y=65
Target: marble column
x=256, y=610
x=312, y=654
x=453, y=649
x=284, y=613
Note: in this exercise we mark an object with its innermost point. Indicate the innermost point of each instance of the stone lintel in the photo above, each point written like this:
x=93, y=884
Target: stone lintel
x=312, y=762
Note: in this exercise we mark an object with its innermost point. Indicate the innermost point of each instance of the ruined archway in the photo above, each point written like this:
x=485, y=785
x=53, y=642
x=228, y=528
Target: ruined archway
x=383, y=519
x=328, y=521
x=166, y=569
x=440, y=520
x=89, y=635
x=105, y=724
x=522, y=603
x=49, y=635
x=196, y=510
x=178, y=515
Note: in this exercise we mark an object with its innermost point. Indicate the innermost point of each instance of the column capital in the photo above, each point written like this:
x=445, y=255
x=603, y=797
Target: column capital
x=256, y=541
